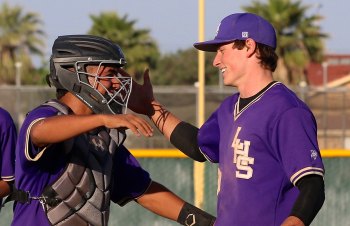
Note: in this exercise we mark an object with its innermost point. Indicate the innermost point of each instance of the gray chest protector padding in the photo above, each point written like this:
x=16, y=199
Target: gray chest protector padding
x=82, y=192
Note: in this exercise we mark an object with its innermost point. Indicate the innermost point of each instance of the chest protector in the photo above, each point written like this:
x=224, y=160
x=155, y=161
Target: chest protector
x=81, y=195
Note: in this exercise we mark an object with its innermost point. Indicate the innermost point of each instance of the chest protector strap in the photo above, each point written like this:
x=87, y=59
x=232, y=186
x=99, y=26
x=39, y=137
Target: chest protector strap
x=81, y=195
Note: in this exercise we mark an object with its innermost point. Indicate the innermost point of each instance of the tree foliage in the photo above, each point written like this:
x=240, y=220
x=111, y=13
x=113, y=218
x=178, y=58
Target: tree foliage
x=299, y=36
x=181, y=68
x=140, y=49
x=20, y=37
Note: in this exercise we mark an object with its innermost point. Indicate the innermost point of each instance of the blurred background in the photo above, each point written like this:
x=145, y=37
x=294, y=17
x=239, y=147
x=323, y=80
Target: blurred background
x=314, y=62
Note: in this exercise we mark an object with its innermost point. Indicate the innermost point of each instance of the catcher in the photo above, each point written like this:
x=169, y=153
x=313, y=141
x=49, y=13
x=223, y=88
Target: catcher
x=71, y=161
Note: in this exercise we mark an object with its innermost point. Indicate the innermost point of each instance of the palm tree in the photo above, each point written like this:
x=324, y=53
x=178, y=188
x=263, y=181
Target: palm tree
x=168, y=73
x=299, y=36
x=20, y=36
x=140, y=49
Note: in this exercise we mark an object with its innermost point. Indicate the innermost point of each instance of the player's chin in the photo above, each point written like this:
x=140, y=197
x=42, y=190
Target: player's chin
x=226, y=82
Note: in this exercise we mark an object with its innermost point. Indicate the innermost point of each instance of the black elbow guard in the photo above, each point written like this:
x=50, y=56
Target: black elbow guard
x=310, y=199
x=184, y=137
x=191, y=215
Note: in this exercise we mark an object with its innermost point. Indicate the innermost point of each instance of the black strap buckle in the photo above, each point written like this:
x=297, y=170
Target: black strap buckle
x=18, y=196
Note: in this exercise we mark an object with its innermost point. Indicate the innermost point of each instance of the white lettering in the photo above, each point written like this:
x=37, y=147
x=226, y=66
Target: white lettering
x=241, y=157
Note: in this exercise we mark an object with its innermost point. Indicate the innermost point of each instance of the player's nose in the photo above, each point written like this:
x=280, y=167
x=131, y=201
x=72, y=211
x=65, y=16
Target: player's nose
x=115, y=83
x=216, y=61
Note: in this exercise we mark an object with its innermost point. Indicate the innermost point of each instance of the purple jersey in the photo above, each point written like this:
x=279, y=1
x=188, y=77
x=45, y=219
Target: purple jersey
x=262, y=151
x=37, y=168
x=8, y=137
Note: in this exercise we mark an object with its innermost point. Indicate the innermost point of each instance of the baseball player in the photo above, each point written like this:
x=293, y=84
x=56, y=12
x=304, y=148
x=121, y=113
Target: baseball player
x=71, y=161
x=8, y=137
x=264, y=138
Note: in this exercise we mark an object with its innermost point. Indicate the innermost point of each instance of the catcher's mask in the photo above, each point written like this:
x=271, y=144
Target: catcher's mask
x=70, y=57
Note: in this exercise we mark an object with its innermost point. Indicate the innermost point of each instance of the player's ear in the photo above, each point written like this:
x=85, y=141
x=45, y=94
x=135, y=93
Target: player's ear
x=250, y=46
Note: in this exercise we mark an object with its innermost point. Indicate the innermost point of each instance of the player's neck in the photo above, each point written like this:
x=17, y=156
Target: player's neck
x=254, y=83
x=245, y=101
x=78, y=107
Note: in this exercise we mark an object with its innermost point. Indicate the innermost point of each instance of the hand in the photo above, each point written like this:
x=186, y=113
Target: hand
x=135, y=123
x=292, y=221
x=4, y=188
x=141, y=96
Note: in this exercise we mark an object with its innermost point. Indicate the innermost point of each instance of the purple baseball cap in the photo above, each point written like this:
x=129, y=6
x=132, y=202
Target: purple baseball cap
x=240, y=26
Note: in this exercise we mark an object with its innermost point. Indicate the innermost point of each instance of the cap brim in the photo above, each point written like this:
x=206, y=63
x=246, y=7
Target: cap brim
x=210, y=46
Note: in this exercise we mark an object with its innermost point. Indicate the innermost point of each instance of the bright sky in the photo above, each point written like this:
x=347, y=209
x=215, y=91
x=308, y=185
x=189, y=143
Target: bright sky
x=173, y=24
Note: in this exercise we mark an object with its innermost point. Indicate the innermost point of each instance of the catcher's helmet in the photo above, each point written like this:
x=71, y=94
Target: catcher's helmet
x=76, y=52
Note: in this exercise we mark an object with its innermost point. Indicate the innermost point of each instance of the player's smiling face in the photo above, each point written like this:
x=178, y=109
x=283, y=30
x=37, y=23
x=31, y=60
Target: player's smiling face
x=104, y=78
x=230, y=61
x=111, y=87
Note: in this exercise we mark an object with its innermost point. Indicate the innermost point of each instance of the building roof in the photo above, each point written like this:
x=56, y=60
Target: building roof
x=335, y=66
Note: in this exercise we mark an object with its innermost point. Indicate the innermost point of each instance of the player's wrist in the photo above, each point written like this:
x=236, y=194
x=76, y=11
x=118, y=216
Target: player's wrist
x=155, y=106
x=155, y=109
x=191, y=215
x=99, y=120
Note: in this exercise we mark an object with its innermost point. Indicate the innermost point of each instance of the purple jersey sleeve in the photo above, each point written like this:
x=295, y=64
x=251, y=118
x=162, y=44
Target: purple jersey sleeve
x=216, y=129
x=296, y=134
x=30, y=175
x=8, y=137
x=208, y=140
x=209, y=137
x=30, y=152
x=130, y=180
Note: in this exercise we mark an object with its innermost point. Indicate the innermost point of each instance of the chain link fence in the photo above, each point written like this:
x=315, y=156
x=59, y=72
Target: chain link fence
x=331, y=109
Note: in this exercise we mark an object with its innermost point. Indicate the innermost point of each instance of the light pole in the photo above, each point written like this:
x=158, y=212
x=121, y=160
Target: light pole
x=325, y=101
x=18, y=66
x=198, y=167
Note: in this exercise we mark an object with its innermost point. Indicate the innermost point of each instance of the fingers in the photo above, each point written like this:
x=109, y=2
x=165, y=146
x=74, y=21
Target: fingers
x=139, y=126
x=135, y=123
x=123, y=72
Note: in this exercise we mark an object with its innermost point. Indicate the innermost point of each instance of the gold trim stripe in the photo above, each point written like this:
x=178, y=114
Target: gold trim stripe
x=296, y=176
x=175, y=153
x=26, y=151
x=8, y=178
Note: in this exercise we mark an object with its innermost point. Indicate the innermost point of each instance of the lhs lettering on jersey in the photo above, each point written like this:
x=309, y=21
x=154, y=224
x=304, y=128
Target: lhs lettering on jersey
x=241, y=157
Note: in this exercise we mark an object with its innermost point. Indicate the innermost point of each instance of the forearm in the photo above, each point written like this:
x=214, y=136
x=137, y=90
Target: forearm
x=181, y=134
x=164, y=119
x=165, y=203
x=59, y=128
x=161, y=201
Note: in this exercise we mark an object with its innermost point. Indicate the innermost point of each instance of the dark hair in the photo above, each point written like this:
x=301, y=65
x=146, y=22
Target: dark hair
x=59, y=92
x=266, y=54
